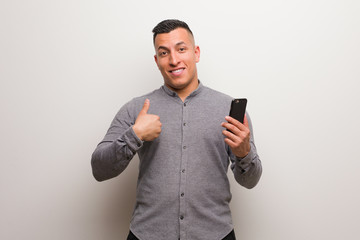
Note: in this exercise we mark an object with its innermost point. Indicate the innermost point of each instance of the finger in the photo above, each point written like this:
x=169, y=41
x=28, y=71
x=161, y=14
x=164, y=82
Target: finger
x=235, y=122
x=231, y=136
x=231, y=127
x=146, y=107
x=230, y=142
x=246, y=123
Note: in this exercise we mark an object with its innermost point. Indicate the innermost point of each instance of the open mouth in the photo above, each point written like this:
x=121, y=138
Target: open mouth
x=177, y=71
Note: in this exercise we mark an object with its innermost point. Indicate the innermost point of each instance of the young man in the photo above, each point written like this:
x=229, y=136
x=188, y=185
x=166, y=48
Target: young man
x=179, y=132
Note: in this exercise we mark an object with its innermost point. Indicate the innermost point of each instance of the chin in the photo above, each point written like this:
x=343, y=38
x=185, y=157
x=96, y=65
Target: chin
x=178, y=85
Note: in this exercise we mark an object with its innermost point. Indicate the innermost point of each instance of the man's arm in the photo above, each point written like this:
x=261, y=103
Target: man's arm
x=123, y=139
x=245, y=162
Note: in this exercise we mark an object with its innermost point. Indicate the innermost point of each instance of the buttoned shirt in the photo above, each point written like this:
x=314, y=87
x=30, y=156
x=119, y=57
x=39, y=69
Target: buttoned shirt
x=183, y=191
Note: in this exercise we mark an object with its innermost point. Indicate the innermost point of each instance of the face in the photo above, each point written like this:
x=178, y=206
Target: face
x=176, y=57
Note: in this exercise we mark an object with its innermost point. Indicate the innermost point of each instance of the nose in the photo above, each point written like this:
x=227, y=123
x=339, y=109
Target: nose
x=174, y=60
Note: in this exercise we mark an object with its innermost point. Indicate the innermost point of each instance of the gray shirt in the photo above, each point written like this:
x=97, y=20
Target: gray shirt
x=183, y=191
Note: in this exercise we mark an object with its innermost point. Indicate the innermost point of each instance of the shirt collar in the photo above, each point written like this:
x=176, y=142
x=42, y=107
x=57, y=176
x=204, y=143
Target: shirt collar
x=172, y=93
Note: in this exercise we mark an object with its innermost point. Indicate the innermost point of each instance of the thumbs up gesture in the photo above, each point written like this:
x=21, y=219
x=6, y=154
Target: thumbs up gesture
x=147, y=126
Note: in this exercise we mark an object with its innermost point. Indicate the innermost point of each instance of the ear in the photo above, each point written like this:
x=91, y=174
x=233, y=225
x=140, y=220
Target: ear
x=156, y=60
x=197, y=53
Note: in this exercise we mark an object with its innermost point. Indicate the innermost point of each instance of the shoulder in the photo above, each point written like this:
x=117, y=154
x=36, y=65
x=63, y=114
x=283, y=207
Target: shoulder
x=133, y=106
x=215, y=95
x=153, y=95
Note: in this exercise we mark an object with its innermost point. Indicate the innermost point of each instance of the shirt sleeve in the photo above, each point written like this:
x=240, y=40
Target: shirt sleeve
x=118, y=147
x=247, y=170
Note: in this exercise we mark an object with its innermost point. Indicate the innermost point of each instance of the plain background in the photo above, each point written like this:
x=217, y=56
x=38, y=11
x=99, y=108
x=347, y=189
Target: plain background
x=67, y=66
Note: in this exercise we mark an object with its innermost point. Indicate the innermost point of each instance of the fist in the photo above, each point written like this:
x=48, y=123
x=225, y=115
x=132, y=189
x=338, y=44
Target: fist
x=147, y=126
x=238, y=138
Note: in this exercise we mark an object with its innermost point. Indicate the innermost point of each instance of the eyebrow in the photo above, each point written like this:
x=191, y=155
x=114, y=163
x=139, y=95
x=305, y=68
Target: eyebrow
x=177, y=44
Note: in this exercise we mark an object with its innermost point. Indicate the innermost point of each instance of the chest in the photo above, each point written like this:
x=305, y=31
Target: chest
x=193, y=122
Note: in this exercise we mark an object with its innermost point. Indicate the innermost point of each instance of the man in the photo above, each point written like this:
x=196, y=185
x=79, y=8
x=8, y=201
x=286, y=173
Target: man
x=179, y=132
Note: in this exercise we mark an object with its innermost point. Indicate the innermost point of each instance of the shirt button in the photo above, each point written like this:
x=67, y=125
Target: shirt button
x=184, y=104
x=183, y=170
x=184, y=147
x=184, y=124
x=181, y=217
x=182, y=194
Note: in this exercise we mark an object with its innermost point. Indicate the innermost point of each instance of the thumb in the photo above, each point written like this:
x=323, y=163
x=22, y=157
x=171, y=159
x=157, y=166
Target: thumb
x=246, y=123
x=146, y=106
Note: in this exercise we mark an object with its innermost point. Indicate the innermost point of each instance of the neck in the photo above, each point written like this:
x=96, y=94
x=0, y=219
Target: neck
x=183, y=93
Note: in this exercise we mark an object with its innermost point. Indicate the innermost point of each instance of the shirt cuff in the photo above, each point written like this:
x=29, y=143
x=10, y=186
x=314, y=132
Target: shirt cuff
x=246, y=161
x=132, y=140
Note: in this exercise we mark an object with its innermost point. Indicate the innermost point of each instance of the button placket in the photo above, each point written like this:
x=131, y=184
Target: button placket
x=184, y=157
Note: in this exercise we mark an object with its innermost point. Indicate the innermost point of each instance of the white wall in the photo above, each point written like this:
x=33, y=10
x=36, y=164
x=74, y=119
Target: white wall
x=66, y=67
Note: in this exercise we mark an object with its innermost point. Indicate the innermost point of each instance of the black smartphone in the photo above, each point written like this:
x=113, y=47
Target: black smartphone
x=237, y=110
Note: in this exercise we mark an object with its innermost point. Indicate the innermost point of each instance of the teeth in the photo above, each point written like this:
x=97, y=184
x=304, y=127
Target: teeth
x=177, y=71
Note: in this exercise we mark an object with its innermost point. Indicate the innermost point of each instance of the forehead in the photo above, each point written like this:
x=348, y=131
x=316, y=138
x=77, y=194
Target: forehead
x=173, y=37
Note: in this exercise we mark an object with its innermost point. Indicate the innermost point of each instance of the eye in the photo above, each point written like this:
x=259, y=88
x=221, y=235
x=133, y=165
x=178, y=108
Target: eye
x=162, y=53
x=182, y=49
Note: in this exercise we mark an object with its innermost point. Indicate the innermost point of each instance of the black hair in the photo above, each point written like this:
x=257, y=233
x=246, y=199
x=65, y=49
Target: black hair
x=169, y=25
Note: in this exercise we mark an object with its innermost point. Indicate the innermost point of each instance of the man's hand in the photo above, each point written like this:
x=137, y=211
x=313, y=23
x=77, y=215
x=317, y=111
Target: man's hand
x=147, y=126
x=239, y=137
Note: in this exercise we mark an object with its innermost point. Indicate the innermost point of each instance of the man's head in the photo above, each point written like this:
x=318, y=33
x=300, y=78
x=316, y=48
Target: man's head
x=169, y=25
x=176, y=55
